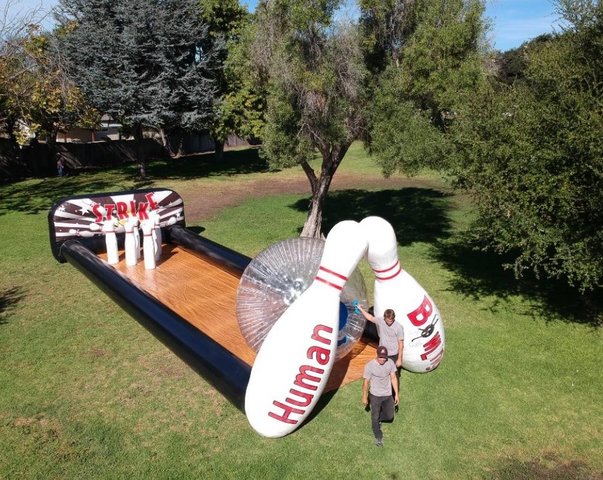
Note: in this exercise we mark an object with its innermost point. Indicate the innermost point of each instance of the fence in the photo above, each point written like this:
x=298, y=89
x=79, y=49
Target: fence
x=39, y=159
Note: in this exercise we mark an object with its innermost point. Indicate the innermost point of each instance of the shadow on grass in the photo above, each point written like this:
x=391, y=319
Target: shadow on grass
x=422, y=215
x=479, y=274
x=322, y=402
x=549, y=468
x=40, y=196
x=416, y=214
x=197, y=230
x=235, y=162
x=8, y=299
x=36, y=195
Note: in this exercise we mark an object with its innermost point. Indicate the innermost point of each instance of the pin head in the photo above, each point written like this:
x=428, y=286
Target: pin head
x=382, y=252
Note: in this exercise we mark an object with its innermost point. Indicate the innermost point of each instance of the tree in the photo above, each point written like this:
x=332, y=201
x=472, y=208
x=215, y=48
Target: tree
x=424, y=54
x=226, y=20
x=36, y=96
x=531, y=154
x=141, y=61
x=314, y=73
x=243, y=107
x=512, y=63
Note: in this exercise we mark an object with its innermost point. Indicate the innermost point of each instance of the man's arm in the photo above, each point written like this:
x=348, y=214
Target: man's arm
x=395, y=386
x=365, y=391
x=400, y=353
x=366, y=314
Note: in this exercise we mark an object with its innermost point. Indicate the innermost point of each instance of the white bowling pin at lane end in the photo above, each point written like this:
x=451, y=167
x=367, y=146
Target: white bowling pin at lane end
x=136, y=231
x=295, y=360
x=424, y=338
x=130, y=244
x=157, y=236
x=148, y=246
x=110, y=242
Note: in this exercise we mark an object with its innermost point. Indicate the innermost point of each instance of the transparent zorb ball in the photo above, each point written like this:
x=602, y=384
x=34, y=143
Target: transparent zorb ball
x=278, y=276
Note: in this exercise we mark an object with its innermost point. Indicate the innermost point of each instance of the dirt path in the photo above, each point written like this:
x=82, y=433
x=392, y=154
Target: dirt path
x=208, y=202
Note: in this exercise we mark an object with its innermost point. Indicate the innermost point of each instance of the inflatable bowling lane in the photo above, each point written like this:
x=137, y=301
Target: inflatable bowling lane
x=395, y=288
x=288, y=377
x=187, y=301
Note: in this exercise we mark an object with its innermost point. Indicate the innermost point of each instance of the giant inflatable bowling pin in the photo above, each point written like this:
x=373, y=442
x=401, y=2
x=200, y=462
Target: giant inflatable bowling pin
x=295, y=360
x=396, y=289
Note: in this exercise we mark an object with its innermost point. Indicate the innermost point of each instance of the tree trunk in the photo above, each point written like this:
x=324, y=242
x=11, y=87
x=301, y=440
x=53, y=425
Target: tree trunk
x=320, y=188
x=219, y=149
x=313, y=225
x=140, y=154
x=51, y=149
x=166, y=141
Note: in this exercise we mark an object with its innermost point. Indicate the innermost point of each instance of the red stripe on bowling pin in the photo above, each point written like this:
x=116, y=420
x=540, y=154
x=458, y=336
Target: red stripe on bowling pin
x=380, y=273
x=331, y=278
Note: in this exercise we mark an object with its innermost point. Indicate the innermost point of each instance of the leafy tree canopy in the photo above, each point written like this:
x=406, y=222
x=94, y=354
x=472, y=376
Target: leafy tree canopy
x=313, y=75
x=36, y=96
x=431, y=54
x=236, y=103
x=532, y=155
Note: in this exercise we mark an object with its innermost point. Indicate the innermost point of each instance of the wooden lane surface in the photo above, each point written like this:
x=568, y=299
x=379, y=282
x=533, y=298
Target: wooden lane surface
x=203, y=292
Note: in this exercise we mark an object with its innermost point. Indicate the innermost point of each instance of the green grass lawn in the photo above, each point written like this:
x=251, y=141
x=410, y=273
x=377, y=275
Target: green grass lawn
x=86, y=392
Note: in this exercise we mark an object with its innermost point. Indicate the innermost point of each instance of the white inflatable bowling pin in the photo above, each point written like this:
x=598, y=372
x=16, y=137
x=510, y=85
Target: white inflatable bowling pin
x=111, y=242
x=130, y=244
x=295, y=360
x=424, y=339
x=157, y=237
x=148, y=245
x=136, y=232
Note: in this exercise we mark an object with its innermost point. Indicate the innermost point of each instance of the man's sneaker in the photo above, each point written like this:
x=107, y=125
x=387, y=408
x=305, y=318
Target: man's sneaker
x=379, y=442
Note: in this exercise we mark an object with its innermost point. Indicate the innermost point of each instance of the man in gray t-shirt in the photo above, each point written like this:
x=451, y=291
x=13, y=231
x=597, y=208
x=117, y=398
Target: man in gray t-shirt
x=391, y=333
x=379, y=378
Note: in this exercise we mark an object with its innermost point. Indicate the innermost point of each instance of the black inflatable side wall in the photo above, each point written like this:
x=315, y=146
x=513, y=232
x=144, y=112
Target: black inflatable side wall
x=226, y=372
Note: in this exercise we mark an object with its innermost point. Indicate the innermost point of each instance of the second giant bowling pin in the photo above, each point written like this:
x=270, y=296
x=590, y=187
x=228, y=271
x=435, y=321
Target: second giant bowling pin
x=396, y=289
x=295, y=360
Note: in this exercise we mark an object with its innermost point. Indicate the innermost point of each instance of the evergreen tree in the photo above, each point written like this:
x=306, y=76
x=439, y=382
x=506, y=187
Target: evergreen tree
x=141, y=61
